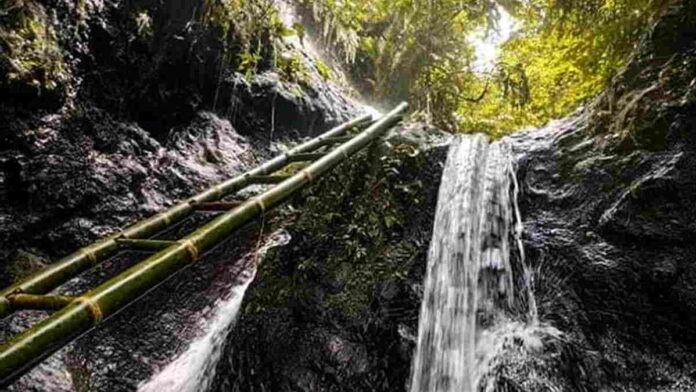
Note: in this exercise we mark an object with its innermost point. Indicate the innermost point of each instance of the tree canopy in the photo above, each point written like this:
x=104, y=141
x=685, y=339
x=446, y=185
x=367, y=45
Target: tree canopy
x=561, y=55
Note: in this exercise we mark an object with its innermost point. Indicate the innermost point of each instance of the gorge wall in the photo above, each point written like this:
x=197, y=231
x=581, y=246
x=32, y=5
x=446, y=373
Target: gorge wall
x=127, y=112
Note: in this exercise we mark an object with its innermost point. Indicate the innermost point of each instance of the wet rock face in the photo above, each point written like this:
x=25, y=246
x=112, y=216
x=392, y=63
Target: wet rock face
x=71, y=180
x=336, y=309
x=283, y=109
x=610, y=220
x=157, y=64
x=142, y=113
x=79, y=180
x=130, y=108
x=610, y=237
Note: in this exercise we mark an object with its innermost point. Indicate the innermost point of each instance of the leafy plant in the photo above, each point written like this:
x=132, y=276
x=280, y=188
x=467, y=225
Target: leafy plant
x=30, y=52
x=563, y=54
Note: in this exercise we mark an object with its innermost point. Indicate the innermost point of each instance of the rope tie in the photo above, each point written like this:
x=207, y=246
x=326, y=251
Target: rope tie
x=259, y=203
x=122, y=233
x=94, y=309
x=191, y=249
x=218, y=193
x=89, y=255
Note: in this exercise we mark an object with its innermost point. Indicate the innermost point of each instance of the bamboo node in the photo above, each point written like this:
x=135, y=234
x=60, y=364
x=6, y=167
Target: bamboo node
x=89, y=255
x=345, y=154
x=166, y=218
x=191, y=249
x=94, y=309
x=308, y=175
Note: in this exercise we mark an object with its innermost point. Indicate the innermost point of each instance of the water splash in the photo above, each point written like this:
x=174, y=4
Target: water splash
x=470, y=289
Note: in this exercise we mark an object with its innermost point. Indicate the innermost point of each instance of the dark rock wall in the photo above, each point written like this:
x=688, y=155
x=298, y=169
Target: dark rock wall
x=609, y=203
x=131, y=109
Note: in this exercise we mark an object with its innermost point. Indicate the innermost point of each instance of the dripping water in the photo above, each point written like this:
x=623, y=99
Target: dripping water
x=472, y=284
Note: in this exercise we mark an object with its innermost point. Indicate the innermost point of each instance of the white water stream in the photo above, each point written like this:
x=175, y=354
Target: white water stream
x=194, y=369
x=470, y=292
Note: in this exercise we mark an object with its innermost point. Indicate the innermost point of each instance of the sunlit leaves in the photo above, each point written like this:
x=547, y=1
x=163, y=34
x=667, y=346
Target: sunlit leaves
x=563, y=55
x=568, y=50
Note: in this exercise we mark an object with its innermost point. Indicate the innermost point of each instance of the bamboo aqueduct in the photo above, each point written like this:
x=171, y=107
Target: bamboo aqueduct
x=76, y=315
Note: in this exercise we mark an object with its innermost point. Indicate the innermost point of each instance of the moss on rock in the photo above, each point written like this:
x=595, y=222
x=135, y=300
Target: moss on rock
x=337, y=307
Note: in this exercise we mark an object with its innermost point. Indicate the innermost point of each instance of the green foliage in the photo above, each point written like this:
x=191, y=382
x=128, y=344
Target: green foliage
x=29, y=49
x=397, y=44
x=24, y=264
x=291, y=66
x=566, y=52
x=323, y=70
x=348, y=239
x=253, y=35
x=561, y=57
x=249, y=62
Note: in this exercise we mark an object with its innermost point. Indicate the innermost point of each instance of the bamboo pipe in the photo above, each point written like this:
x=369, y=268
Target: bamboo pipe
x=22, y=351
x=70, y=266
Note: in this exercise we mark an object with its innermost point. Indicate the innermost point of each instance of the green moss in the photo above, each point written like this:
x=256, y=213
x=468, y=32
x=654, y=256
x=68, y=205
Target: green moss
x=31, y=51
x=291, y=169
x=348, y=240
x=324, y=70
x=24, y=264
x=291, y=67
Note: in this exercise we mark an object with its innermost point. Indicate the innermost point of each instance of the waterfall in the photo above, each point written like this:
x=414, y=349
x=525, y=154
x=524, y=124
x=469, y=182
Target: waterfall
x=470, y=286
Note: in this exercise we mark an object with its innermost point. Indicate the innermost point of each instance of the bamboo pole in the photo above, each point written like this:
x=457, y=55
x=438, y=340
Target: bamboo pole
x=39, y=302
x=70, y=266
x=149, y=245
x=306, y=157
x=22, y=351
x=267, y=179
x=335, y=140
x=217, y=205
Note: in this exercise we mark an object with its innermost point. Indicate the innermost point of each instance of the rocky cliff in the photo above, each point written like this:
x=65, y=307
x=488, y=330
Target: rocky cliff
x=127, y=108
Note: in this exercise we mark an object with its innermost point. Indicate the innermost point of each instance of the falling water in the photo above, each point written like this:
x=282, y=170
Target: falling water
x=194, y=369
x=470, y=284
